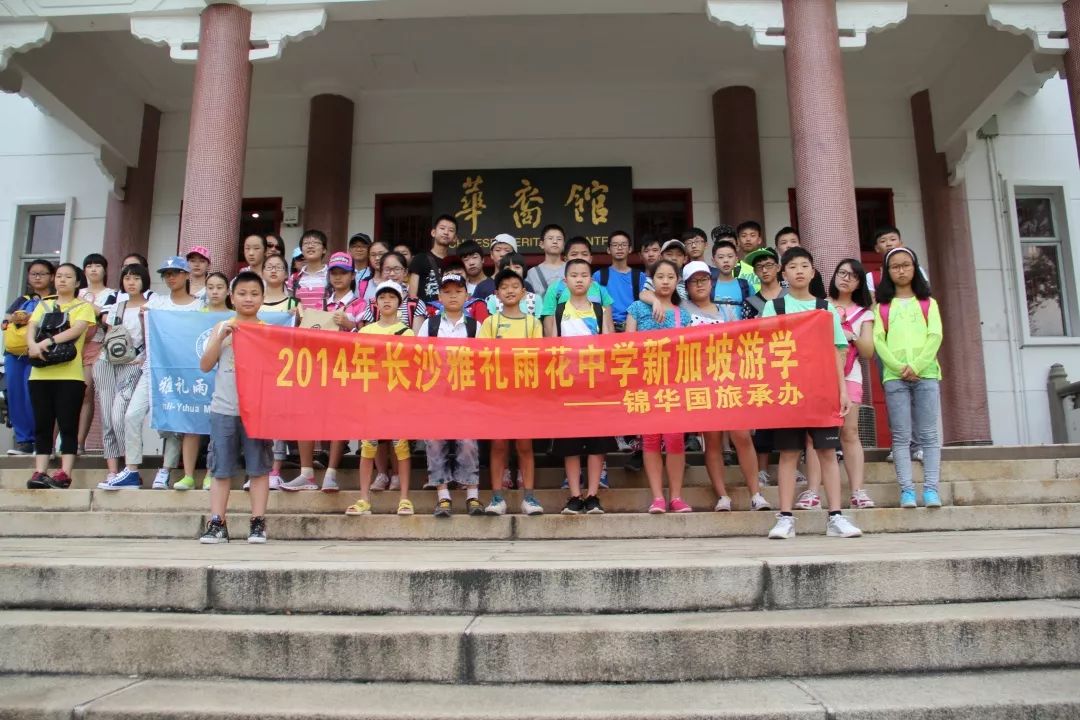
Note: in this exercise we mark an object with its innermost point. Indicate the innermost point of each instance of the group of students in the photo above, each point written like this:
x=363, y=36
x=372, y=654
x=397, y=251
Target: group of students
x=376, y=288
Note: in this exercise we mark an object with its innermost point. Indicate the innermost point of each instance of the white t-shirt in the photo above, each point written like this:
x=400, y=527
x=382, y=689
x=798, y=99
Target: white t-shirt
x=866, y=316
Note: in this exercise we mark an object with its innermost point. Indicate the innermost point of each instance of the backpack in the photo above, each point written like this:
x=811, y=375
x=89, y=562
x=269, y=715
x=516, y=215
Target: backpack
x=884, y=310
x=470, y=326
x=119, y=350
x=15, y=335
x=52, y=323
x=635, y=279
x=598, y=310
x=853, y=352
x=819, y=304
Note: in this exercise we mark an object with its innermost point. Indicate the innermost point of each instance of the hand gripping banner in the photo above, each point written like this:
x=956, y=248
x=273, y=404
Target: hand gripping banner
x=310, y=385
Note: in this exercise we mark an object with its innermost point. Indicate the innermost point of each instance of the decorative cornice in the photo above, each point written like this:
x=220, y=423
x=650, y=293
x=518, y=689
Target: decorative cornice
x=22, y=36
x=1044, y=23
x=764, y=19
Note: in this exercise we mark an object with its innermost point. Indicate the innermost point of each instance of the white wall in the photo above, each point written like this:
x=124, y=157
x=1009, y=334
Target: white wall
x=1036, y=145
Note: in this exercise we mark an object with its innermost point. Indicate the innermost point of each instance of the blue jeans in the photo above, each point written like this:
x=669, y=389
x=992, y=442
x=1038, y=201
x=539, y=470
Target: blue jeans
x=17, y=376
x=913, y=414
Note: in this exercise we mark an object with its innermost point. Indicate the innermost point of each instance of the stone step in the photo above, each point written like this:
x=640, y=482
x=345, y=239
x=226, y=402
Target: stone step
x=287, y=526
x=1043, y=694
x=668, y=647
x=16, y=471
x=615, y=500
x=539, y=577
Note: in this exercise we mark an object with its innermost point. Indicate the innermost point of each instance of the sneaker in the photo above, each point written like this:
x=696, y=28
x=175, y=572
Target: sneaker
x=300, y=482
x=41, y=481
x=22, y=449
x=860, y=500
x=592, y=506
x=723, y=504
x=161, y=480
x=758, y=502
x=574, y=506
x=907, y=499
x=658, y=506
x=185, y=483
x=784, y=529
x=61, y=479
x=840, y=526
x=329, y=485
x=395, y=483
x=276, y=481
x=497, y=506
x=247, y=485
x=763, y=478
x=405, y=507
x=603, y=477
x=320, y=459
x=679, y=505
x=474, y=506
x=443, y=508
x=125, y=480
x=624, y=443
x=109, y=477
x=360, y=507
x=257, y=533
x=930, y=498
x=839, y=456
x=693, y=443
x=917, y=456
x=889, y=457
x=530, y=506
x=216, y=532
x=808, y=500
x=800, y=477
x=565, y=484
x=381, y=482
x=634, y=462
x=207, y=481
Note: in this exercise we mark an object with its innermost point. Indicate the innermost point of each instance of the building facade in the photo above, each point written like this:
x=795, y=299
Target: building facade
x=152, y=125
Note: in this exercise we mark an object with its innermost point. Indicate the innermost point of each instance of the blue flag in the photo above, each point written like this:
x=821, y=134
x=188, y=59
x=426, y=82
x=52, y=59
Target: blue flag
x=179, y=391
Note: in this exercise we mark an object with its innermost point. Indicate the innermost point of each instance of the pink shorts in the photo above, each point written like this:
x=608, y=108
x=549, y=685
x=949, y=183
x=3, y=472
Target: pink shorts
x=854, y=391
x=674, y=443
x=90, y=353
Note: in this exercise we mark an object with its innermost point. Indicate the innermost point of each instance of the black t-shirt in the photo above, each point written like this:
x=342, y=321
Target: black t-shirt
x=428, y=267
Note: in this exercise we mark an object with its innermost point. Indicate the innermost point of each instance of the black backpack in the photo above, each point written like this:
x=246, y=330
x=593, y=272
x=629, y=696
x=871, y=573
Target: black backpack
x=819, y=303
x=433, y=325
x=635, y=279
x=598, y=310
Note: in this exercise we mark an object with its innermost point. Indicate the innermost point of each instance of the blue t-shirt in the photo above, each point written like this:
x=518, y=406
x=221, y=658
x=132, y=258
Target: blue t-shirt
x=643, y=314
x=621, y=287
x=728, y=295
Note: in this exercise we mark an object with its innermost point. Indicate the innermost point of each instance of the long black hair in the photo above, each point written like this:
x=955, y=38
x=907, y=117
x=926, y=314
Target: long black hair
x=675, y=297
x=886, y=290
x=860, y=295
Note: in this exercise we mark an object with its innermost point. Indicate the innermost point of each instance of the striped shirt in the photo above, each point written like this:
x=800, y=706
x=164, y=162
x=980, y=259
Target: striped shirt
x=353, y=306
x=309, y=287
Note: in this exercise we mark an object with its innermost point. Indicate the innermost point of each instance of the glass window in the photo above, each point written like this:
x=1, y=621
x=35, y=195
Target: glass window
x=1044, y=257
x=45, y=235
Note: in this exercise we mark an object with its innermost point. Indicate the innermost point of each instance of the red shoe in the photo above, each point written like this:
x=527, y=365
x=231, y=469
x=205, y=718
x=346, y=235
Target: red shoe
x=62, y=479
x=677, y=505
x=658, y=507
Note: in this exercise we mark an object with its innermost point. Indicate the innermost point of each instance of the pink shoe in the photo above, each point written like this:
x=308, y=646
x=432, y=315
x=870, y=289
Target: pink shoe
x=677, y=505
x=658, y=507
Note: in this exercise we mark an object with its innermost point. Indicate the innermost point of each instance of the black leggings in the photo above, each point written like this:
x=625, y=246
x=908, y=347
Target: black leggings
x=56, y=402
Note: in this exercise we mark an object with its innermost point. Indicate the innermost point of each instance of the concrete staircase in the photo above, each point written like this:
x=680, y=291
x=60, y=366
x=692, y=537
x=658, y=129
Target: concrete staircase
x=110, y=609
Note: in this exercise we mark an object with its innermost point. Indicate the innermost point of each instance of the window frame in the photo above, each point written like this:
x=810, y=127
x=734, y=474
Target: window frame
x=1058, y=193
x=22, y=212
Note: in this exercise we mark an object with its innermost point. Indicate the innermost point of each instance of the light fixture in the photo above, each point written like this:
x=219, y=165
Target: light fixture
x=255, y=215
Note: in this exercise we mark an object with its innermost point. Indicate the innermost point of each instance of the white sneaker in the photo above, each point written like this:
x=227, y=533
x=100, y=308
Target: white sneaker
x=329, y=485
x=161, y=480
x=808, y=500
x=381, y=482
x=300, y=482
x=276, y=481
x=109, y=477
x=840, y=526
x=497, y=506
x=917, y=456
x=800, y=478
x=247, y=485
x=395, y=483
x=889, y=457
x=723, y=504
x=784, y=529
x=758, y=502
x=763, y=478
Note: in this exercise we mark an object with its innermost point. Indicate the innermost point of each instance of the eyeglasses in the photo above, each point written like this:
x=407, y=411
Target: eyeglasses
x=901, y=266
x=40, y=274
x=766, y=266
x=846, y=275
x=393, y=269
x=700, y=280
x=311, y=243
x=619, y=246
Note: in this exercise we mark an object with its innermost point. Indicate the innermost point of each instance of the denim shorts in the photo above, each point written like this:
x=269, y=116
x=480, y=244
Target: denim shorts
x=230, y=440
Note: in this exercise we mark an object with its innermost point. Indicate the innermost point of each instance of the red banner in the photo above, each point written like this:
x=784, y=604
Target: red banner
x=317, y=385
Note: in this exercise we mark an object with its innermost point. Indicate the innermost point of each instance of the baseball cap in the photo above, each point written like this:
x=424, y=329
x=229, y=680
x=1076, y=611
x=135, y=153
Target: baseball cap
x=359, y=237
x=449, y=278
x=693, y=268
x=505, y=238
x=753, y=257
x=198, y=250
x=341, y=261
x=174, y=262
x=388, y=286
x=678, y=244
x=297, y=252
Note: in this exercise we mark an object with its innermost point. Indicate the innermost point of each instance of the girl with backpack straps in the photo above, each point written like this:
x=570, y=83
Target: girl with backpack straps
x=907, y=336
x=39, y=279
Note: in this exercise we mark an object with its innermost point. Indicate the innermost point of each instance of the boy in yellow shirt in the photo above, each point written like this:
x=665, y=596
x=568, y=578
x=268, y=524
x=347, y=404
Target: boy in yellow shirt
x=514, y=324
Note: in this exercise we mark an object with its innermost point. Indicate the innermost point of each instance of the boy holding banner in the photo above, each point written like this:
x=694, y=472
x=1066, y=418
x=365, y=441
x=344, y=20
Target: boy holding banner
x=226, y=428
